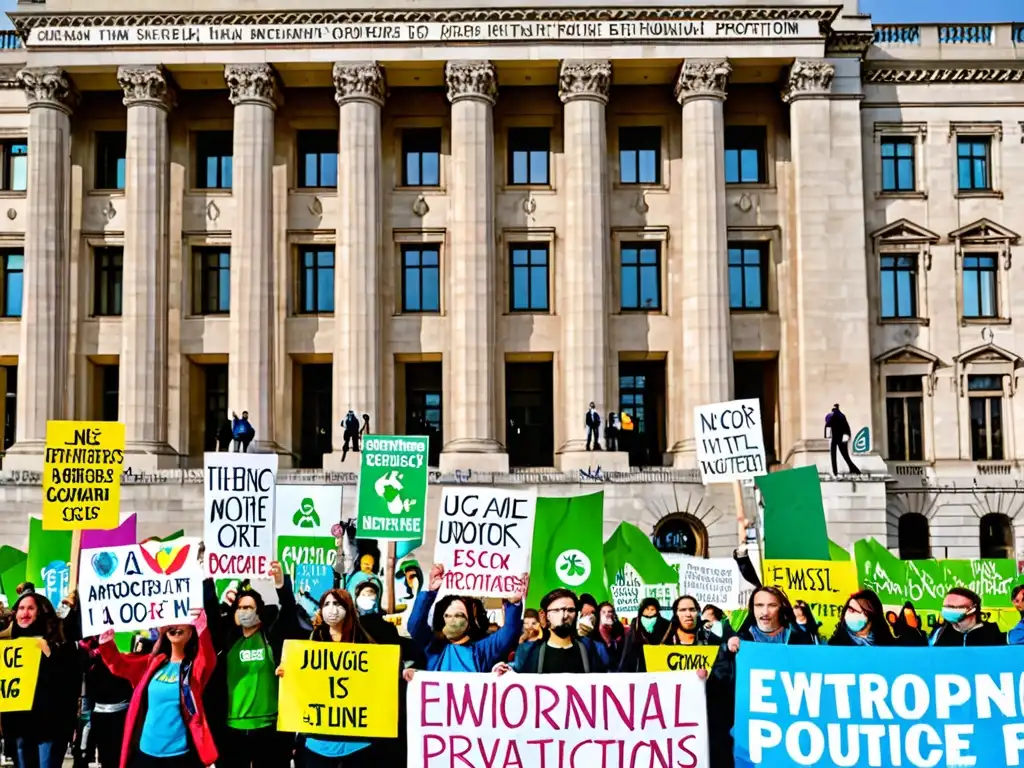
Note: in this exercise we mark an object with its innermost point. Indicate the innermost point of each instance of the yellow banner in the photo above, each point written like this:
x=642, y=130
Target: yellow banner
x=679, y=658
x=19, y=673
x=82, y=475
x=339, y=689
x=825, y=585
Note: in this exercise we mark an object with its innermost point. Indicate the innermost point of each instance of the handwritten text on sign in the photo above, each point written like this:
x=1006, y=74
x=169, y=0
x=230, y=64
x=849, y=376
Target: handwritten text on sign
x=730, y=443
x=239, y=502
x=82, y=475
x=714, y=581
x=825, y=585
x=420, y=34
x=19, y=673
x=484, y=539
x=339, y=689
x=478, y=721
x=138, y=586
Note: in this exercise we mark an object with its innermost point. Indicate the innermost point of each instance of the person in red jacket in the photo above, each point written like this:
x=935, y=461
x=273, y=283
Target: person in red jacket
x=166, y=726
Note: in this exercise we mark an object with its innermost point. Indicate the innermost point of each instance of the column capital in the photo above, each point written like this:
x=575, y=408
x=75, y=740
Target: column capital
x=252, y=83
x=585, y=80
x=48, y=87
x=471, y=80
x=702, y=79
x=358, y=81
x=146, y=86
x=809, y=79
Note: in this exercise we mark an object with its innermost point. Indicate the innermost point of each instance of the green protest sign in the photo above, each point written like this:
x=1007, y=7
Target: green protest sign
x=392, y=500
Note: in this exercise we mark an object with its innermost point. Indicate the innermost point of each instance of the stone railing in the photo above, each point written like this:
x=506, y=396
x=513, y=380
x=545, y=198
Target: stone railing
x=9, y=40
x=998, y=35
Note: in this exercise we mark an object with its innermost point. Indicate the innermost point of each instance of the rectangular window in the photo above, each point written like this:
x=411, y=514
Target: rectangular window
x=640, y=155
x=13, y=263
x=985, y=394
x=898, y=164
x=980, y=276
x=745, y=149
x=631, y=400
x=111, y=154
x=529, y=278
x=421, y=157
x=318, y=158
x=641, y=276
x=421, y=278
x=211, y=281
x=14, y=176
x=214, y=152
x=748, y=276
x=904, y=417
x=316, y=280
x=974, y=170
x=107, y=281
x=528, y=151
x=110, y=387
x=899, y=286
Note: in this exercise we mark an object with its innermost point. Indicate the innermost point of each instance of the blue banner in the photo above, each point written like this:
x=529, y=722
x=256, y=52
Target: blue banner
x=878, y=707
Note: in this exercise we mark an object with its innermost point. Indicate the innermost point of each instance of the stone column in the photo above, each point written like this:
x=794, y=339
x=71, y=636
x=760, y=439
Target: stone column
x=43, y=359
x=470, y=366
x=255, y=94
x=702, y=369
x=358, y=347
x=149, y=98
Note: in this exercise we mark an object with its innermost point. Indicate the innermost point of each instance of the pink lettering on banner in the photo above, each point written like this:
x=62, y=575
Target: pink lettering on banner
x=560, y=721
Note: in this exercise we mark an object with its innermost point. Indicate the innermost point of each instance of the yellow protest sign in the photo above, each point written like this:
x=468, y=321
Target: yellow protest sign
x=339, y=689
x=19, y=673
x=82, y=475
x=825, y=585
x=680, y=658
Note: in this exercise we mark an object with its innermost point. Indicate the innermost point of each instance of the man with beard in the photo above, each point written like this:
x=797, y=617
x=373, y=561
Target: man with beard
x=560, y=649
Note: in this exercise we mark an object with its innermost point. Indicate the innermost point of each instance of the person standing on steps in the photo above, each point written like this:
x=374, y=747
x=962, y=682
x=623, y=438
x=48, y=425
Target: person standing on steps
x=837, y=430
x=351, y=433
x=242, y=432
x=593, y=422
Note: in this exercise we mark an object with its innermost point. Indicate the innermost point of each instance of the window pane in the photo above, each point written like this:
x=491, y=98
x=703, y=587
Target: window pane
x=325, y=289
x=972, y=307
x=223, y=290
x=906, y=175
x=329, y=170
x=749, y=166
x=649, y=288
x=995, y=406
x=736, y=287
x=431, y=290
x=627, y=167
x=979, y=433
x=520, y=171
x=309, y=170
x=412, y=289
x=648, y=167
x=988, y=293
x=520, y=288
x=539, y=167
x=888, y=175
x=980, y=178
x=915, y=429
x=904, y=293
x=629, y=287
x=431, y=169
x=895, y=427
x=225, y=172
x=888, y=149
x=753, y=288
x=888, y=293
x=964, y=173
x=539, y=287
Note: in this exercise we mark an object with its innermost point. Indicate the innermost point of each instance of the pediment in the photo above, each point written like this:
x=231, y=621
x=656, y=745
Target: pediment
x=985, y=231
x=909, y=354
x=989, y=353
x=904, y=231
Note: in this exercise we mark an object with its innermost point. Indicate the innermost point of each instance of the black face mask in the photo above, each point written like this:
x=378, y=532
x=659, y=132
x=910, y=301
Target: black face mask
x=563, y=630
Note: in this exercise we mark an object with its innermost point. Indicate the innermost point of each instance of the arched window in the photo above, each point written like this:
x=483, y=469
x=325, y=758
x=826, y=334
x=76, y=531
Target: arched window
x=914, y=538
x=996, y=536
x=681, y=534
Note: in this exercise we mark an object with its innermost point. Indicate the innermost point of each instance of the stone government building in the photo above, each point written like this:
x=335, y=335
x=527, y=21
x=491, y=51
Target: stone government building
x=470, y=223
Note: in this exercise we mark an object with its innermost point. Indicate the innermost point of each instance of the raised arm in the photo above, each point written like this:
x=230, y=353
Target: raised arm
x=206, y=658
x=131, y=668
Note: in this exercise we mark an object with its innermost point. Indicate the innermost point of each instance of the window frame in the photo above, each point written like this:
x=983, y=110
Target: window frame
x=404, y=150
x=428, y=246
x=896, y=159
x=7, y=158
x=991, y=133
x=197, y=175
x=750, y=137
x=303, y=137
x=5, y=271
x=987, y=397
x=317, y=249
x=114, y=294
x=200, y=269
x=908, y=360
x=659, y=265
x=660, y=179
x=986, y=360
x=918, y=134
x=896, y=270
x=763, y=248
x=527, y=147
x=972, y=256
x=100, y=172
x=904, y=397
x=530, y=247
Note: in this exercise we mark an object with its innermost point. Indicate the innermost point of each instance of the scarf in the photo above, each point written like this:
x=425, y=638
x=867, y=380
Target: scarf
x=866, y=640
x=606, y=634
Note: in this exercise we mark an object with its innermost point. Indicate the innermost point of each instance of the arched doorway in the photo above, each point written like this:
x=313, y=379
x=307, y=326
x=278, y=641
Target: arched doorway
x=996, y=536
x=914, y=537
x=681, y=534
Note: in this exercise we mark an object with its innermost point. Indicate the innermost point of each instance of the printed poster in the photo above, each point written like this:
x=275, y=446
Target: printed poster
x=238, y=501
x=82, y=475
x=19, y=673
x=730, y=441
x=392, y=500
x=304, y=516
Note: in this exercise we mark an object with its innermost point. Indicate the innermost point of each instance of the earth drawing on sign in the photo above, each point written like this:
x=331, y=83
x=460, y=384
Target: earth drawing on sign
x=389, y=487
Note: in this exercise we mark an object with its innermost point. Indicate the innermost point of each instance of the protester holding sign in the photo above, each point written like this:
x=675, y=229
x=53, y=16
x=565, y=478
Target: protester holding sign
x=458, y=641
x=166, y=725
x=962, y=624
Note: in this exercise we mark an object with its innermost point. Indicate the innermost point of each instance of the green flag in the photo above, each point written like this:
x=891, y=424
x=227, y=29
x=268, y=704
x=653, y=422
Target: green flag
x=794, y=515
x=836, y=553
x=568, y=547
x=48, y=565
x=629, y=545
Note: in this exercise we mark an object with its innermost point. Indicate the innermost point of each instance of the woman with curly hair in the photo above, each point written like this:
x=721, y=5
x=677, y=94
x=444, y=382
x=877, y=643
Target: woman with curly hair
x=458, y=640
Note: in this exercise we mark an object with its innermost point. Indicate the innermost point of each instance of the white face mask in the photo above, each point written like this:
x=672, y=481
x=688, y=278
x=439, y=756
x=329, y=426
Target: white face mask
x=366, y=603
x=587, y=620
x=247, y=618
x=607, y=621
x=715, y=628
x=332, y=615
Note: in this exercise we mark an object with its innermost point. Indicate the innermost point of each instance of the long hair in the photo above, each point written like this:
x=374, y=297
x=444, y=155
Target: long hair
x=786, y=616
x=869, y=602
x=46, y=618
x=163, y=645
x=479, y=625
x=675, y=625
x=351, y=630
x=617, y=630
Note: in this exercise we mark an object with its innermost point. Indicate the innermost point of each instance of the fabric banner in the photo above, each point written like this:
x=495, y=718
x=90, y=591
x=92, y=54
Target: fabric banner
x=19, y=674
x=680, y=658
x=575, y=721
x=239, y=501
x=82, y=475
x=484, y=539
x=339, y=689
x=392, y=495
x=792, y=502
x=304, y=515
x=862, y=708
x=713, y=581
x=49, y=561
x=139, y=586
x=568, y=547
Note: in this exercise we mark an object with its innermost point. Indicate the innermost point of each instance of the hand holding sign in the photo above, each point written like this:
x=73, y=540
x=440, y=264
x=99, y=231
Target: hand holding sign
x=276, y=574
x=107, y=637
x=436, y=577
x=524, y=583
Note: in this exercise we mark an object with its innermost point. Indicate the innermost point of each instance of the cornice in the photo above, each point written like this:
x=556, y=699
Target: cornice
x=25, y=22
x=928, y=75
x=847, y=43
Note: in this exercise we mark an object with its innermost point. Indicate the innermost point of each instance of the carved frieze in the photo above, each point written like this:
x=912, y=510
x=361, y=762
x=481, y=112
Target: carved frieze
x=471, y=80
x=585, y=80
x=358, y=81
x=809, y=78
x=924, y=76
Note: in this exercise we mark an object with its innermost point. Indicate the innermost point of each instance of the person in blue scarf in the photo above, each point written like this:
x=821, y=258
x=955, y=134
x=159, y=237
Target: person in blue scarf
x=1016, y=635
x=770, y=619
x=459, y=641
x=864, y=624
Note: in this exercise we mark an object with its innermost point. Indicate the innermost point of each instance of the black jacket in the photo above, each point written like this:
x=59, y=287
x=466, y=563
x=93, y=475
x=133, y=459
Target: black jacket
x=946, y=635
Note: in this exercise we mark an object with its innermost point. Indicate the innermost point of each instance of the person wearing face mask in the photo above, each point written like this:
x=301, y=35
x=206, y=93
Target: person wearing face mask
x=648, y=628
x=962, y=624
x=166, y=725
x=458, y=640
x=248, y=641
x=39, y=738
x=366, y=593
x=716, y=623
x=560, y=650
x=611, y=634
x=864, y=623
x=588, y=615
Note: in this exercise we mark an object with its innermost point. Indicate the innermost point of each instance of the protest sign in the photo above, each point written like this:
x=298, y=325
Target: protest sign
x=19, y=673
x=82, y=475
x=339, y=689
x=313, y=579
x=825, y=585
x=479, y=721
x=138, y=586
x=714, y=581
x=484, y=539
x=304, y=515
x=239, y=514
x=392, y=498
x=730, y=441
x=629, y=590
x=910, y=707
x=680, y=658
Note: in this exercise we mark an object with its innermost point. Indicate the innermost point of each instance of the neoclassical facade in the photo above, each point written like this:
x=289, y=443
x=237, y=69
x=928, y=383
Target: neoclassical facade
x=474, y=223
